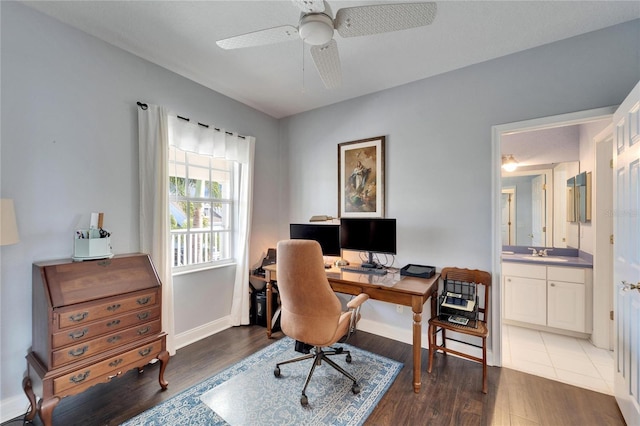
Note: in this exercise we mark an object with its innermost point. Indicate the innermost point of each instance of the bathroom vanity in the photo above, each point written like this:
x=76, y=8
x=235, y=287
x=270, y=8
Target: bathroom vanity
x=553, y=293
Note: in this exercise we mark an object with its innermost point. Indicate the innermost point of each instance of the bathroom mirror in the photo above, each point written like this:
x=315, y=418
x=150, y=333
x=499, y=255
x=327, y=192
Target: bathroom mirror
x=583, y=196
x=534, y=207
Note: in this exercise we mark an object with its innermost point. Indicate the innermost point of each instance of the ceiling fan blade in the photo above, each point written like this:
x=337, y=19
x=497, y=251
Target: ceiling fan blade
x=260, y=38
x=327, y=62
x=376, y=19
x=310, y=6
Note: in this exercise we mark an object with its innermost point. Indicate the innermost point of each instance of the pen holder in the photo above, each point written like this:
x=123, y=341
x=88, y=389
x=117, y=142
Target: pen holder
x=88, y=244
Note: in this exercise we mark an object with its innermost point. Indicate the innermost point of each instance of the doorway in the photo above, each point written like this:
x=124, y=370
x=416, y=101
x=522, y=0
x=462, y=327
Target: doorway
x=502, y=334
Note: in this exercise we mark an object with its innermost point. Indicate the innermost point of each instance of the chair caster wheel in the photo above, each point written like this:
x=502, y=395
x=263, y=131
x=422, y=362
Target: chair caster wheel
x=348, y=359
x=304, y=401
x=276, y=372
x=355, y=389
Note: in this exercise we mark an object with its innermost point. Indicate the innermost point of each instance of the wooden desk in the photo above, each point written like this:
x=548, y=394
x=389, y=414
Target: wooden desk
x=392, y=288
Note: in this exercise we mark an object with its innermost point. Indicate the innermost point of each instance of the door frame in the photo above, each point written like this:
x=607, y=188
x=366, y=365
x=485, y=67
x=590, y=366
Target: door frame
x=497, y=132
x=512, y=225
x=602, y=223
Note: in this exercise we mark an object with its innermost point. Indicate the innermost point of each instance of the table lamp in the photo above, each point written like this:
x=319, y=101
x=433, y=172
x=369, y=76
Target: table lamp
x=8, y=227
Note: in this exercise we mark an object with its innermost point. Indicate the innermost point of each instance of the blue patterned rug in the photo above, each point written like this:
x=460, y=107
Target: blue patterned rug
x=248, y=393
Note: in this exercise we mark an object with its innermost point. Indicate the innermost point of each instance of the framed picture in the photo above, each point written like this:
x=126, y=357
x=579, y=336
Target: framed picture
x=361, y=178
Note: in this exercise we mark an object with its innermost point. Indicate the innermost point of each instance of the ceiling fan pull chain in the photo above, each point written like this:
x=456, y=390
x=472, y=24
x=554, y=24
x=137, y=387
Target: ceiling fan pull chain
x=303, y=87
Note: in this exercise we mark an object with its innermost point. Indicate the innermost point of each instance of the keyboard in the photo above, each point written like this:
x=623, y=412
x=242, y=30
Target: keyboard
x=361, y=270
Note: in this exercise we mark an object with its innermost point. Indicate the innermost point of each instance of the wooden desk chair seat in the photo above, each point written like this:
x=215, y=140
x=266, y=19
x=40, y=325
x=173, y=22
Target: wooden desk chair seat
x=437, y=325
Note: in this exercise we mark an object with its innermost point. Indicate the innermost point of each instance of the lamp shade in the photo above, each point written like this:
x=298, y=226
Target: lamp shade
x=8, y=227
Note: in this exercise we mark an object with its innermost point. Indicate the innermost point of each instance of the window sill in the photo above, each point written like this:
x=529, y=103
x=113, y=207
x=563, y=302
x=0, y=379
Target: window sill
x=201, y=268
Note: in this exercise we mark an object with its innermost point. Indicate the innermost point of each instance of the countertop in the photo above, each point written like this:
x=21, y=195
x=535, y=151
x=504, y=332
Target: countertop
x=574, y=261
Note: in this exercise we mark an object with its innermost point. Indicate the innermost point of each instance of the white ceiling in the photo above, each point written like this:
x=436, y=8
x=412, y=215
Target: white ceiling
x=181, y=36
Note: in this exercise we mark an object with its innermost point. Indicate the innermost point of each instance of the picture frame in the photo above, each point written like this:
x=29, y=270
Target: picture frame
x=361, y=179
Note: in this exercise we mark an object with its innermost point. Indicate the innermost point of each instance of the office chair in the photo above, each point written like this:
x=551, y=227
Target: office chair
x=477, y=328
x=310, y=310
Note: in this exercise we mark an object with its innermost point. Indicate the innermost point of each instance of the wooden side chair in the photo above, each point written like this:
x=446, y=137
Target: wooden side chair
x=441, y=323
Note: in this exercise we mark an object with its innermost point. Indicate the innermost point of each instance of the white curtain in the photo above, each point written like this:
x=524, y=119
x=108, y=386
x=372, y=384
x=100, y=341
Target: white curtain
x=218, y=143
x=153, y=146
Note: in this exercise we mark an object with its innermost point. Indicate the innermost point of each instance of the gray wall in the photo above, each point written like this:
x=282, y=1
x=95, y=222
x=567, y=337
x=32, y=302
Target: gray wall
x=438, y=163
x=69, y=147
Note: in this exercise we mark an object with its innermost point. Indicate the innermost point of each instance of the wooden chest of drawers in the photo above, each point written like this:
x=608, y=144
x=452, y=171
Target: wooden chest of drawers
x=92, y=322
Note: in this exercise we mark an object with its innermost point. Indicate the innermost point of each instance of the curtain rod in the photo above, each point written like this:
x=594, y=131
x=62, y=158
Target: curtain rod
x=144, y=107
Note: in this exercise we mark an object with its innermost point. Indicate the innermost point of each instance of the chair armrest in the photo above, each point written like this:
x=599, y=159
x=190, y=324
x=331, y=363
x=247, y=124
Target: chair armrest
x=357, y=301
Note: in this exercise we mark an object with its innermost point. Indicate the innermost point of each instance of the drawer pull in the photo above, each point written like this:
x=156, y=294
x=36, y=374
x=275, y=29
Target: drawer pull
x=144, y=330
x=144, y=300
x=80, y=377
x=78, y=351
x=113, y=323
x=114, y=375
x=78, y=334
x=145, y=352
x=113, y=339
x=113, y=307
x=79, y=317
x=143, y=315
x=115, y=363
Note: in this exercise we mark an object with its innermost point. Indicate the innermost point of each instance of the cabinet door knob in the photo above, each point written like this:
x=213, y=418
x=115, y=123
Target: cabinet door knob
x=552, y=284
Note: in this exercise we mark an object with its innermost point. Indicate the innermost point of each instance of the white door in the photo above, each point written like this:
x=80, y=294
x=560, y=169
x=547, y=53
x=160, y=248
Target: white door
x=626, y=265
x=538, y=225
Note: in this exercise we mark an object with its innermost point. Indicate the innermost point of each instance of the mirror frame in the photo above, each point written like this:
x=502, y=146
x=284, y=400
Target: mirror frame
x=548, y=199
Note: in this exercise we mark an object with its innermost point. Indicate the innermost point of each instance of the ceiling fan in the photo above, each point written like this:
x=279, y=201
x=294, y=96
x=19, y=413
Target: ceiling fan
x=316, y=27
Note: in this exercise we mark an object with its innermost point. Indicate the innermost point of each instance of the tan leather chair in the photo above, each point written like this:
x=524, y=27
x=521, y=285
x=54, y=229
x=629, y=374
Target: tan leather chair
x=310, y=310
x=437, y=324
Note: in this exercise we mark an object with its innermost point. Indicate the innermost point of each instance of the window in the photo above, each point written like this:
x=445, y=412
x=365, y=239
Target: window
x=200, y=208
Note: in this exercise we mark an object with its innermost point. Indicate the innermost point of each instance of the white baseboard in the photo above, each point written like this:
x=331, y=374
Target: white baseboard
x=188, y=337
x=405, y=335
x=15, y=406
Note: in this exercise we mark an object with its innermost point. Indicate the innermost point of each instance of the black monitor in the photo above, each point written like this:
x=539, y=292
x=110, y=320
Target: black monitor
x=327, y=235
x=373, y=235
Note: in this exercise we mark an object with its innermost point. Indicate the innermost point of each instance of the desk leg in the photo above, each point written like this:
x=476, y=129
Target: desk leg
x=269, y=308
x=417, y=343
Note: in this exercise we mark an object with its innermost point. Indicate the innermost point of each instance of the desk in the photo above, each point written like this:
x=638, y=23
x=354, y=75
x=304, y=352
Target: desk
x=391, y=288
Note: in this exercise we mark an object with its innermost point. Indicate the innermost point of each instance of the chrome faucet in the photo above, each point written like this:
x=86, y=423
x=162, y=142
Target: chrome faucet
x=535, y=252
x=544, y=252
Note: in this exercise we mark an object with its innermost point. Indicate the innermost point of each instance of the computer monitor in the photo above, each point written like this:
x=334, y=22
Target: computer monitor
x=372, y=235
x=327, y=235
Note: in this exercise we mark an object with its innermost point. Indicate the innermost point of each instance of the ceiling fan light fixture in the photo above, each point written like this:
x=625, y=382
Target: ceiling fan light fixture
x=509, y=164
x=316, y=29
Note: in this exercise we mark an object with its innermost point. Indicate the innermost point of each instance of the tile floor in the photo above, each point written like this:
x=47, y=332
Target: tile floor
x=562, y=358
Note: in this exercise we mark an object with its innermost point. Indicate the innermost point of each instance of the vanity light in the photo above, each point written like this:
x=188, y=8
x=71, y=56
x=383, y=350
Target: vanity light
x=509, y=163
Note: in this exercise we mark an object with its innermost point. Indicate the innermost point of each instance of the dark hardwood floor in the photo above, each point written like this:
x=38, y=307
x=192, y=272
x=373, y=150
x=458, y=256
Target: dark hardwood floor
x=449, y=396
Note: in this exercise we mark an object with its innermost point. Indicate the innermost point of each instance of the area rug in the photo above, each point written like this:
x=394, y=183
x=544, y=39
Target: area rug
x=248, y=393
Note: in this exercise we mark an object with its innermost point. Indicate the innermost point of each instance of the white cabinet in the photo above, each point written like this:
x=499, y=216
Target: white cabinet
x=548, y=296
x=567, y=299
x=525, y=293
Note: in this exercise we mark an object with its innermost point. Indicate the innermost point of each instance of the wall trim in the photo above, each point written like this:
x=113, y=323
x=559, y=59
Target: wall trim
x=12, y=407
x=405, y=335
x=191, y=336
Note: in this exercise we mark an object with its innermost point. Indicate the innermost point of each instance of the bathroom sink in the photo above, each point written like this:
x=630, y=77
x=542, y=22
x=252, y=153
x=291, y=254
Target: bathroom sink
x=545, y=258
